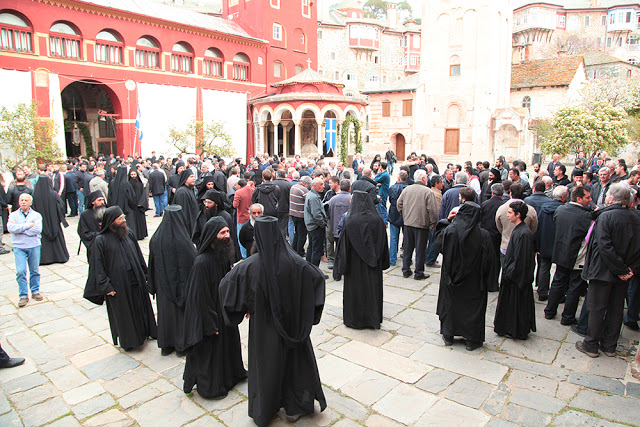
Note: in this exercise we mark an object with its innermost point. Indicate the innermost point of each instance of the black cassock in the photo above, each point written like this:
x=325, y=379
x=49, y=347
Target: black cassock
x=284, y=295
x=118, y=265
x=121, y=194
x=214, y=357
x=361, y=255
x=48, y=204
x=88, y=225
x=186, y=198
x=137, y=215
x=218, y=197
x=171, y=257
x=467, y=267
x=515, y=313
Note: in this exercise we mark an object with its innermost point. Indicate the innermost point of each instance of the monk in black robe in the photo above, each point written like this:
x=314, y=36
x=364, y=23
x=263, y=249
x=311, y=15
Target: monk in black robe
x=118, y=274
x=121, y=194
x=361, y=255
x=284, y=296
x=141, y=196
x=214, y=355
x=90, y=220
x=171, y=256
x=467, y=261
x=515, y=313
x=48, y=204
x=213, y=205
x=206, y=185
x=186, y=198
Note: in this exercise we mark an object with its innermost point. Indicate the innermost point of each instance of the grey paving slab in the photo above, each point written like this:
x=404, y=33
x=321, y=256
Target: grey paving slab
x=110, y=367
x=111, y=418
x=130, y=381
x=85, y=392
x=448, y=413
x=402, y=345
x=532, y=382
x=68, y=421
x=526, y=416
x=217, y=406
x=93, y=406
x=23, y=383
x=336, y=372
x=10, y=419
x=463, y=364
x=615, y=408
x=5, y=406
x=26, y=399
x=539, y=402
x=346, y=406
x=570, y=358
x=405, y=404
x=597, y=382
x=173, y=408
x=575, y=418
x=553, y=372
x=44, y=412
x=437, y=381
x=497, y=399
x=369, y=387
x=534, y=348
x=369, y=336
x=469, y=392
x=612, y=367
x=376, y=420
x=67, y=378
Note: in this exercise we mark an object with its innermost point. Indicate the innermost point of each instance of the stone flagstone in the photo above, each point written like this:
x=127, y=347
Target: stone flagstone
x=405, y=403
x=447, y=413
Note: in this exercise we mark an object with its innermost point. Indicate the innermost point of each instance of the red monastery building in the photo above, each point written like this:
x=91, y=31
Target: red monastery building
x=103, y=64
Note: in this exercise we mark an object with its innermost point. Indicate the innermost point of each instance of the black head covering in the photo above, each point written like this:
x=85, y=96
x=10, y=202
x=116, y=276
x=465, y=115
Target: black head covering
x=498, y=176
x=183, y=176
x=93, y=197
x=462, y=244
x=136, y=183
x=177, y=165
x=46, y=202
x=280, y=267
x=110, y=215
x=203, y=187
x=210, y=232
x=215, y=196
x=364, y=227
x=118, y=194
x=171, y=255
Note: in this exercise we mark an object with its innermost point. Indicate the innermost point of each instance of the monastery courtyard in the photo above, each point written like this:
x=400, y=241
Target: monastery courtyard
x=399, y=375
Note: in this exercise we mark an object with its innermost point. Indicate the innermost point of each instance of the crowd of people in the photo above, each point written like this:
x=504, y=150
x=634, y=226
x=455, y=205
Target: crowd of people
x=498, y=227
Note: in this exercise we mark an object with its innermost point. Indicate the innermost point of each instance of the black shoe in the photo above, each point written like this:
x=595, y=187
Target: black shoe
x=581, y=349
x=407, y=274
x=448, y=340
x=568, y=322
x=293, y=418
x=543, y=297
x=549, y=316
x=421, y=276
x=608, y=353
x=325, y=276
x=473, y=345
x=632, y=325
x=181, y=353
x=12, y=363
x=330, y=266
x=575, y=330
x=4, y=250
x=166, y=351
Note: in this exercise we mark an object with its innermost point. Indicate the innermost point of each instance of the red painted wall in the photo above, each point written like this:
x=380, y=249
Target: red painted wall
x=90, y=20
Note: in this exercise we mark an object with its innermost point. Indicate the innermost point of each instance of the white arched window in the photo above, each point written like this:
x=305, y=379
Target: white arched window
x=147, y=53
x=16, y=34
x=109, y=47
x=65, y=41
x=182, y=58
x=241, y=67
x=212, y=65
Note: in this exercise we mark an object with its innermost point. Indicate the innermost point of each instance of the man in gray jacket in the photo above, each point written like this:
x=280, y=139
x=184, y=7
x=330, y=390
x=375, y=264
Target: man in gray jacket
x=417, y=205
x=315, y=219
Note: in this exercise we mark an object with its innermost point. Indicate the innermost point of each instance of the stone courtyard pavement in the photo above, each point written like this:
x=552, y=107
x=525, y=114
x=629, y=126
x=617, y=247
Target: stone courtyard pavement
x=401, y=374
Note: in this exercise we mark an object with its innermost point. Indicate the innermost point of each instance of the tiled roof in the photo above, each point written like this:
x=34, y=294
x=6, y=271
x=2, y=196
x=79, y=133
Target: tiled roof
x=575, y=4
x=598, y=58
x=175, y=14
x=308, y=76
x=409, y=83
x=545, y=72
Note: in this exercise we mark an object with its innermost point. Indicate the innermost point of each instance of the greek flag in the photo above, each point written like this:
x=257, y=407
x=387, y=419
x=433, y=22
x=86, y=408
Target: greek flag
x=331, y=135
x=138, y=130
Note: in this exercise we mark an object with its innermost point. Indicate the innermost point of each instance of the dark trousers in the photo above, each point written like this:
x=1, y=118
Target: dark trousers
x=299, y=235
x=432, y=253
x=606, y=309
x=72, y=200
x=414, y=239
x=633, y=300
x=543, y=275
x=569, y=282
x=583, y=320
x=283, y=222
x=316, y=245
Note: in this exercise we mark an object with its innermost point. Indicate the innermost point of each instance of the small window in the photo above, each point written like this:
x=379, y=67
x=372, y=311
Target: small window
x=587, y=20
x=628, y=17
x=333, y=56
x=612, y=18
x=609, y=41
x=109, y=48
x=633, y=61
x=147, y=53
x=15, y=34
x=275, y=4
x=277, y=32
x=319, y=34
x=182, y=58
x=386, y=108
x=299, y=68
x=454, y=70
x=277, y=69
x=561, y=21
x=619, y=41
x=241, y=67
x=336, y=75
x=407, y=107
x=603, y=20
x=64, y=42
x=373, y=78
x=526, y=103
x=212, y=65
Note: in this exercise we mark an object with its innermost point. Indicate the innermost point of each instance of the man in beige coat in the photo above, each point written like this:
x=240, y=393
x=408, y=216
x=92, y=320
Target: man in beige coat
x=505, y=227
x=417, y=205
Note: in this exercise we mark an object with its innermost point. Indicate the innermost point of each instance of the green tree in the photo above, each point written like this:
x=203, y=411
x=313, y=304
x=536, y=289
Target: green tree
x=211, y=137
x=27, y=137
x=375, y=9
x=405, y=11
x=600, y=127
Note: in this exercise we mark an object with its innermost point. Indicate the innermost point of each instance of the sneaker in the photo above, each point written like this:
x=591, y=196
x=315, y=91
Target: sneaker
x=23, y=301
x=37, y=296
x=581, y=349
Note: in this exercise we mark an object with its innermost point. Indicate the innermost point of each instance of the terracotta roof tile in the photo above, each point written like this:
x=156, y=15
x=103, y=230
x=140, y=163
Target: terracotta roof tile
x=545, y=72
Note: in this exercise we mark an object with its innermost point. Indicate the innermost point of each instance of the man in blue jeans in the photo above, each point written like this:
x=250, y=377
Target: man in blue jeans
x=395, y=219
x=25, y=226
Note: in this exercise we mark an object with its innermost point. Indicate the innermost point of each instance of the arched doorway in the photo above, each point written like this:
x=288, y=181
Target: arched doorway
x=90, y=108
x=508, y=141
x=400, y=146
x=309, y=134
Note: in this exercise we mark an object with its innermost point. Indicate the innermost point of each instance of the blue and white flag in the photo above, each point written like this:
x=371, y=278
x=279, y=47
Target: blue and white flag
x=138, y=135
x=331, y=135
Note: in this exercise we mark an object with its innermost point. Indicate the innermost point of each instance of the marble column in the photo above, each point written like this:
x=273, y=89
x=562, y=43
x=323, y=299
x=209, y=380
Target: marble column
x=275, y=138
x=298, y=144
x=320, y=143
